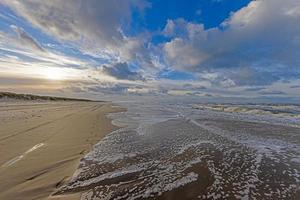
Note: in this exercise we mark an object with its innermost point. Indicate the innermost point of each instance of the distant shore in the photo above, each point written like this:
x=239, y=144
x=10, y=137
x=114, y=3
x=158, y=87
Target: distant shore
x=41, y=144
x=26, y=97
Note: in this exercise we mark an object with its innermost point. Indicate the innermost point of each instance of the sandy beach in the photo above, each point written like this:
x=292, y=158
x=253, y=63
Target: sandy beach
x=41, y=144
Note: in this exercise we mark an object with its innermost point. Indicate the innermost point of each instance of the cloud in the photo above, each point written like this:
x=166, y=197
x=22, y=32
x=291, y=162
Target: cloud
x=246, y=54
x=189, y=86
x=21, y=50
x=92, y=24
x=24, y=81
x=254, y=89
x=26, y=39
x=272, y=93
x=255, y=40
x=107, y=88
x=142, y=90
x=15, y=57
x=121, y=71
x=23, y=57
x=295, y=86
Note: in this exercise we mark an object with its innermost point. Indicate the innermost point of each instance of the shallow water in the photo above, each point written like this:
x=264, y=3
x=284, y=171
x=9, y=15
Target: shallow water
x=178, y=151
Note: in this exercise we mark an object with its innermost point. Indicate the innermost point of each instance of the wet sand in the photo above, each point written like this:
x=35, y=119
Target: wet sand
x=174, y=152
x=41, y=144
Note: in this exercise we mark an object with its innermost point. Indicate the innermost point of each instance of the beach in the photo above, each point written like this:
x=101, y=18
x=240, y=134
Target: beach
x=181, y=150
x=42, y=142
x=152, y=150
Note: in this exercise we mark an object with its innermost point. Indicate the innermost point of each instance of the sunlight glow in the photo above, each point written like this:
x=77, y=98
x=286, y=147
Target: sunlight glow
x=54, y=74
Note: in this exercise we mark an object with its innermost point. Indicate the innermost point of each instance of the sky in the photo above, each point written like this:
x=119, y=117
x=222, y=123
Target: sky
x=190, y=48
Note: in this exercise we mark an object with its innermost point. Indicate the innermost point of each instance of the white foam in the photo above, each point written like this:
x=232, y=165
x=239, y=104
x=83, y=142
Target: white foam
x=156, y=144
x=190, y=177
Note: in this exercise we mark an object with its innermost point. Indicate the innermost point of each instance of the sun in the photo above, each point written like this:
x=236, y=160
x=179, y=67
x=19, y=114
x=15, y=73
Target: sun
x=54, y=73
x=58, y=73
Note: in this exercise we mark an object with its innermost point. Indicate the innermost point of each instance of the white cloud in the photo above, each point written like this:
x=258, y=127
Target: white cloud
x=96, y=26
x=262, y=37
x=77, y=19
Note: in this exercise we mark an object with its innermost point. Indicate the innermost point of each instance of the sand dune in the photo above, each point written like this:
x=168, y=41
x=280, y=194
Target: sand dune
x=41, y=144
x=14, y=96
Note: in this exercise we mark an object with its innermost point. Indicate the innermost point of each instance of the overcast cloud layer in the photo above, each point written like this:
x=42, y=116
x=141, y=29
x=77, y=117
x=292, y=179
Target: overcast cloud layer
x=255, y=51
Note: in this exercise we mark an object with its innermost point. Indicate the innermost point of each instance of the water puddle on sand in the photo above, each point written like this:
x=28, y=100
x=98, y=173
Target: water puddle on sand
x=173, y=151
x=18, y=158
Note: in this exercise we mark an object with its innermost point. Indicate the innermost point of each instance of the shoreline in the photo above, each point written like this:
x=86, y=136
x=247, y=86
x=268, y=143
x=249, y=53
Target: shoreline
x=41, y=146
